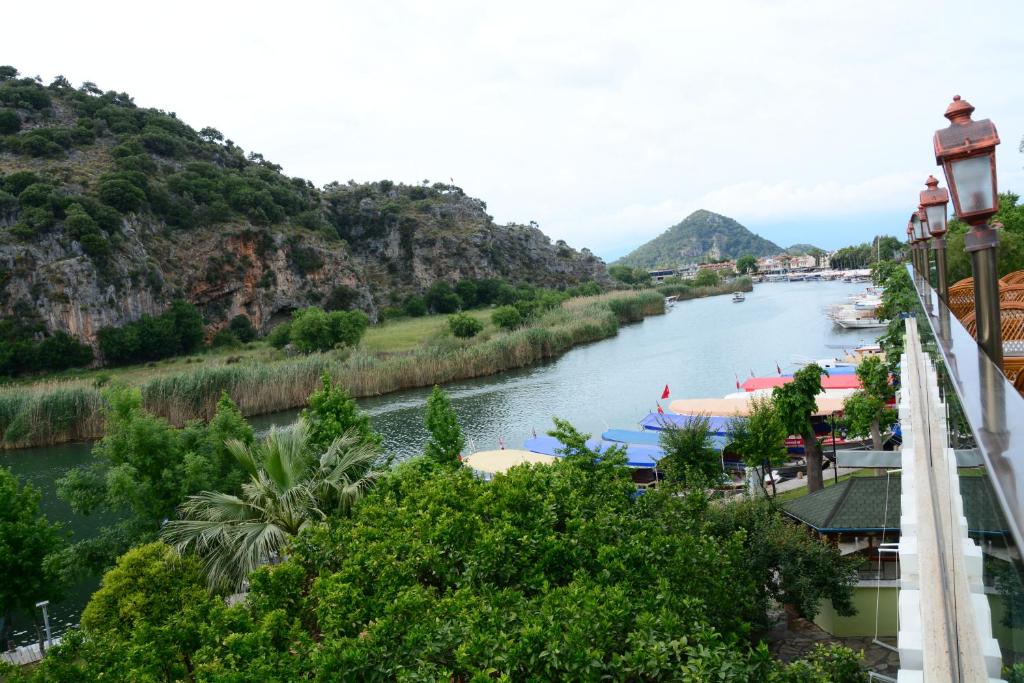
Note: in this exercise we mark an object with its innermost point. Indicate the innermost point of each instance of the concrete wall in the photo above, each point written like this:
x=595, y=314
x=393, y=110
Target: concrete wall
x=862, y=623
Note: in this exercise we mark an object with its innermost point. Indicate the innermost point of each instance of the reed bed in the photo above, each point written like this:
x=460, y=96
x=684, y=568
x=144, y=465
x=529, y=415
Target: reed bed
x=49, y=413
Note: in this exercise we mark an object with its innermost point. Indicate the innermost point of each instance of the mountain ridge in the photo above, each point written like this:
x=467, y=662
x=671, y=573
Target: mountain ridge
x=701, y=236
x=109, y=211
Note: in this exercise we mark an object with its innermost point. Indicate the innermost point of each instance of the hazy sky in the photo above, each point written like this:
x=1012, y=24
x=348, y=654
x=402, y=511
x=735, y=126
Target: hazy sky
x=605, y=122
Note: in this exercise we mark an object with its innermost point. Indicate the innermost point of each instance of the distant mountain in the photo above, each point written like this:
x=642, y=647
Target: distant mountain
x=700, y=236
x=801, y=248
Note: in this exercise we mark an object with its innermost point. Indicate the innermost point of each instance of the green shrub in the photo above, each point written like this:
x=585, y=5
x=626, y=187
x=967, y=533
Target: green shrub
x=280, y=335
x=507, y=317
x=177, y=331
x=441, y=299
x=225, y=339
x=121, y=194
x=242, y=328
x=415, y=306
x=10, y=122
x=464, y=326
x=313, y=329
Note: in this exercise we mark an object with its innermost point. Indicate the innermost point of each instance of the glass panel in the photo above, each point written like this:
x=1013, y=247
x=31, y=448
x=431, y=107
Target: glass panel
x=973, y=184
x=985, y=417
x=937, y=219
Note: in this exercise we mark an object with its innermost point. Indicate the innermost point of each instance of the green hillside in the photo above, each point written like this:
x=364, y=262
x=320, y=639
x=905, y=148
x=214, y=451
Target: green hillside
x=701, y=236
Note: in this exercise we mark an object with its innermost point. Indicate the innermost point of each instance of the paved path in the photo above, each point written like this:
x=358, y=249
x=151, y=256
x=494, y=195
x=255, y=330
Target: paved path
x=796, y=638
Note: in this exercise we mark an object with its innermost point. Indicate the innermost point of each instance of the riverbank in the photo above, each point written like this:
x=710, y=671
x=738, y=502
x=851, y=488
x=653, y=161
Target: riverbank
x=48, y=413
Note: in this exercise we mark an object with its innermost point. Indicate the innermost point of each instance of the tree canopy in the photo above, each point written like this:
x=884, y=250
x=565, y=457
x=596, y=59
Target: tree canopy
x=795, y=402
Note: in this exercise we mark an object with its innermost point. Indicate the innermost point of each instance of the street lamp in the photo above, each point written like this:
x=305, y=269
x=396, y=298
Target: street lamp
x=913, y=247
x=934, y=202
x=919, y=220
x=966, y=150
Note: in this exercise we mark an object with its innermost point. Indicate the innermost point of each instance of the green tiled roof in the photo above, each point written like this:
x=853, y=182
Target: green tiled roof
x=859, y=504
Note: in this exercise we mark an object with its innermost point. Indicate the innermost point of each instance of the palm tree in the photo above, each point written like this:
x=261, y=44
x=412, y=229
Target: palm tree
x=288, y=488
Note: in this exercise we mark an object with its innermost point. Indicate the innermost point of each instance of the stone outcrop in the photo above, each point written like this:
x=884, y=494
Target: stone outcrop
x=266, y=272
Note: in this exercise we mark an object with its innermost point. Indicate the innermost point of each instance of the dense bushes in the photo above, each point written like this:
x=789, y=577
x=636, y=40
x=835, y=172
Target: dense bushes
x=178, y=331
x=507, y=317
x=555, y=572
x=58, y=351
x=313, y=329
x=216, y=183
x=464, y=326
x=242, y=328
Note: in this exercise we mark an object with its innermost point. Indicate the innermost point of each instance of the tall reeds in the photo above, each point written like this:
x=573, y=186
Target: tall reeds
x=45, y=414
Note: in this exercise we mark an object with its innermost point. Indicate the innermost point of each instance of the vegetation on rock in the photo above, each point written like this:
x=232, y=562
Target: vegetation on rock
x=701, y=236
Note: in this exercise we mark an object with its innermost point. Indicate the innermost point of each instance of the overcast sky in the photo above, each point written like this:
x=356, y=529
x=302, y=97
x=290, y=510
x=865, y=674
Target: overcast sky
x=606, y=122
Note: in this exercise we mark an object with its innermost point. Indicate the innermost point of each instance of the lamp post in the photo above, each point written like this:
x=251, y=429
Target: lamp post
x=966, y=150
x=919, y=224
x=934, y=202
x=910, y=244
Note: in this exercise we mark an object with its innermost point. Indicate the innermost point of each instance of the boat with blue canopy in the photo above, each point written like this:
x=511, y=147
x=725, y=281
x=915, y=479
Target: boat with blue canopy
x=659, y=421
x=653, y=438
x=636, y=455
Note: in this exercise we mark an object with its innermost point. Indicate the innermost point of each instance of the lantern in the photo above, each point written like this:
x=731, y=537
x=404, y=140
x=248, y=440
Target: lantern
x=966, y=150
x=934, y=202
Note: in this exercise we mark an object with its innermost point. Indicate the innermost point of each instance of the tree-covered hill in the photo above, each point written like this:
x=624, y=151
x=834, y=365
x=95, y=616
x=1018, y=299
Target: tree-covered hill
x=701, y=236
x=109, y=211
x=801, y=248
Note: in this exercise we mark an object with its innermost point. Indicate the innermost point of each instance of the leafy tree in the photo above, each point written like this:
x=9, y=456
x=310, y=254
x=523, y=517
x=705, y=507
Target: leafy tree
x=690, y=460
x=415, y=306
x=313, y=329
x=10, y=122
x=143, y=468
x=438, y=575
x=707, y=278
x=7, y=73
x=746, y=264
x=242, y=328
x=466, y=291
x=145, y=622
x=464, y=326
x=290, y=487
x=26, y=540
x=796, y=402
x=446, y=441
x=179, y=330
x=332, y=413
x=760, y=438
x=280, y=335
x=441, y=299
x=865, y=409
x=121, y=194
x=827, y=664
x=507, y=317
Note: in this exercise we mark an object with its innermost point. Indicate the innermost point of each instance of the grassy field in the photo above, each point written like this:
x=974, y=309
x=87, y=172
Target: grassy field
x=399, y=355
x=408, y=333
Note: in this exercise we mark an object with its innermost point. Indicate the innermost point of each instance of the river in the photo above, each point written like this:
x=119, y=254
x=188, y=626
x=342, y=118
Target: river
x=698, y=348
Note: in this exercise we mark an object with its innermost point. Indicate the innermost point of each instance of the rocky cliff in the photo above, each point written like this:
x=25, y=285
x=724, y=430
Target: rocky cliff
x=109, y=211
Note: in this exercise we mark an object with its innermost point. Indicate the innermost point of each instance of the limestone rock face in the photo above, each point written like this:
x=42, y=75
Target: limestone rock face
x=391, y=248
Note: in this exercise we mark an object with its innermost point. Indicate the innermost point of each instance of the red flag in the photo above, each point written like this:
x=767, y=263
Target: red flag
x=778, y=369
x=737, y=381
x=660, y=411
x=664, y=394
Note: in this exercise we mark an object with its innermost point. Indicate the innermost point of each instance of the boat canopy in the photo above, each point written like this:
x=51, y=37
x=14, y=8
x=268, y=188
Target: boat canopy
x=725, y=408
x=636, y=456
x=653, y=438
x=656, y=422
x=827, y=382
x=496, y=462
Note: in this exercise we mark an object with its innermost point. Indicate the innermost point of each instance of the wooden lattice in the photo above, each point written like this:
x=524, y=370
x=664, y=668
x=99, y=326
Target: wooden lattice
x=961, y=299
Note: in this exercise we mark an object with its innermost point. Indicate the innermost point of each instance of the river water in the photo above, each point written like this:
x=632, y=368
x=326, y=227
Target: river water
x=698, y=348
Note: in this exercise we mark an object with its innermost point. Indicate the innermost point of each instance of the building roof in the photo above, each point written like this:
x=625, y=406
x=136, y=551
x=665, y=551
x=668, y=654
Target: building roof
x=860, y=504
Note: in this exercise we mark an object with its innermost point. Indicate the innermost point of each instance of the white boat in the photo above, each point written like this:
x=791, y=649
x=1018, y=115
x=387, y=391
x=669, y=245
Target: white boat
x=861, y=323
x=738, y=297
